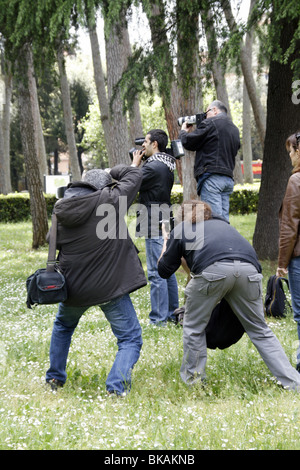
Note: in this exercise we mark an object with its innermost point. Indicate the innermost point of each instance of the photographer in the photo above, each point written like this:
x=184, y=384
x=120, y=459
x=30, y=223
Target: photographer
x=154, y=199
x=216, y=142
x=99, y=270
x=223, y=264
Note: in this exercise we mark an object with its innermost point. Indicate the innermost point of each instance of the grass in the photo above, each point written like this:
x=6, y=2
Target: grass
x=241, y=407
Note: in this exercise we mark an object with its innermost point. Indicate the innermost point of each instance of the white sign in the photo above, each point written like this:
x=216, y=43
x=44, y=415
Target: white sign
x=52, y=182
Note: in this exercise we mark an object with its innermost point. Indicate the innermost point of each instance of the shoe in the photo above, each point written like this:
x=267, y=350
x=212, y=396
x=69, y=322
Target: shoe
x=54, y=384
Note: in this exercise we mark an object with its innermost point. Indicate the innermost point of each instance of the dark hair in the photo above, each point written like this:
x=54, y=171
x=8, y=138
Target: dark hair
x=160, y=137
x=293, y=140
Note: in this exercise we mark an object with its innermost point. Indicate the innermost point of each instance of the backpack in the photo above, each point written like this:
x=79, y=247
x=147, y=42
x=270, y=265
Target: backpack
x=275, y=300
x=223, y=328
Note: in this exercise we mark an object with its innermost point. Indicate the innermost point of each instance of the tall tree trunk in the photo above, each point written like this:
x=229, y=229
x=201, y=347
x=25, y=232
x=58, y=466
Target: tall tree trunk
x=135, y=120
x=5, y=178
x=217, y=68
x=6, y=127
x=246, y=66
x=101, y=91
x=283, y=119
x=115, y=51
x=190, y=96
x=29, y=138
x=171, y=91
x=69, y=127
x=246, y=142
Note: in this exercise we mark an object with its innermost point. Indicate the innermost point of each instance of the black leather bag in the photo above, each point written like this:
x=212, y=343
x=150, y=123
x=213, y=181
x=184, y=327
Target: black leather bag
x=47, y=285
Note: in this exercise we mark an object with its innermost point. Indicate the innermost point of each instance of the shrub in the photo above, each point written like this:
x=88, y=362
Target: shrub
x=16, y=207
x=243, y=200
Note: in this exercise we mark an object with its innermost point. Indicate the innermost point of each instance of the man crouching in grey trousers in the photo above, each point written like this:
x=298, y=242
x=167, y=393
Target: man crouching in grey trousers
x=223, y=264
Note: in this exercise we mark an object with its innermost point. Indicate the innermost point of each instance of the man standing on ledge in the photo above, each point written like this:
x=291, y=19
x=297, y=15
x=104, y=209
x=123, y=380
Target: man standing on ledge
x=216, y=142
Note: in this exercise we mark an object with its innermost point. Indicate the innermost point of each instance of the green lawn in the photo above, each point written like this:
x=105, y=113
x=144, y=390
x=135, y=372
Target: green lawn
x=241, y=407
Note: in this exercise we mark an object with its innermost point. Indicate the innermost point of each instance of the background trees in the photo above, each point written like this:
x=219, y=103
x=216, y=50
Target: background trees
x=194, y=52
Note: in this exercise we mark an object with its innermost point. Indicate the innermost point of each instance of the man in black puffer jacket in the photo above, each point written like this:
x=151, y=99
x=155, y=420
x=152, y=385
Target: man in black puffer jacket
x=101, y=267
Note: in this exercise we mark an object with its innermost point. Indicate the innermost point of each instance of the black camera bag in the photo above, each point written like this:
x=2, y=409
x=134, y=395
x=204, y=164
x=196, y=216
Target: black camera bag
x=47, y=285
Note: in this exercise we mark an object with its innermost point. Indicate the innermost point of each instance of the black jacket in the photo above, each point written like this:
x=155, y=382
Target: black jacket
x=216, y=143
x=155, y=193
x=98, y=268
x=216, y=241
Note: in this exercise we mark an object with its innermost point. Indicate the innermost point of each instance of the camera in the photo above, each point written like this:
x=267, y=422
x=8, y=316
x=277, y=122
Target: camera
x=176, y=149
x=139, y=141
x=196, y=119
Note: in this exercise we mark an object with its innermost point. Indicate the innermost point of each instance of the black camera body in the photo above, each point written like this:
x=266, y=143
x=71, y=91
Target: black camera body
x=195, y=119
x=176, y=149
x=139, y=141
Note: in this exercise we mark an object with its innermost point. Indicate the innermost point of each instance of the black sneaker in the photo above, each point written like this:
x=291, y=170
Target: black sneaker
x=54, y=384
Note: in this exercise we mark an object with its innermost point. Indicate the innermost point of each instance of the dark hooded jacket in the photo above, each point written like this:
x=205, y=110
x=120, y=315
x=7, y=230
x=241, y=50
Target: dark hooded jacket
x=96, y=254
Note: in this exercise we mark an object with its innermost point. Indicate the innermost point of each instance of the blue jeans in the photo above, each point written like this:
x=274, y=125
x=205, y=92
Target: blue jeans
x=124, y=324
x=294, y=283
x=215, y=191
x=163, y=292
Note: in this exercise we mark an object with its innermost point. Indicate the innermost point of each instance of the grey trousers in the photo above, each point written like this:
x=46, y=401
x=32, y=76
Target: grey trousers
x=240, y=284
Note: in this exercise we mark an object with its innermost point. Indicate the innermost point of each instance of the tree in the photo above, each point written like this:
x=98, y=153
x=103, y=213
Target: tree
x=246, y=65
x=29, y=126
x=283, y=119
x=68, y=117
x=5, y=176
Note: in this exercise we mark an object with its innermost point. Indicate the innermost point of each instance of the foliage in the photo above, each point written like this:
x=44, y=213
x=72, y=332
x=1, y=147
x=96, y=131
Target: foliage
x=241, y=407
x=16, y=207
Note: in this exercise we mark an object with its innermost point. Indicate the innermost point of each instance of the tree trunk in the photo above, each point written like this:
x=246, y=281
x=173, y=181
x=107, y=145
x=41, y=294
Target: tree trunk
x=29, y=138
x=69, y=128
x=101, y=91
x=171, y=91
x=115, y=59
x=5, y=178
x=257, y=108
x=282, y=121
x=246, y=142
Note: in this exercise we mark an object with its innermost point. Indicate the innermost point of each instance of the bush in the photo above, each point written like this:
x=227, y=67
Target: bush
x=16, y=207
x=243, y=200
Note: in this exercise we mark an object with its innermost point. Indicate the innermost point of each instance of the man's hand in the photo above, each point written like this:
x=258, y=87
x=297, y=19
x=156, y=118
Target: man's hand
x=187, y=127
x=281, y=272
x=137, y=157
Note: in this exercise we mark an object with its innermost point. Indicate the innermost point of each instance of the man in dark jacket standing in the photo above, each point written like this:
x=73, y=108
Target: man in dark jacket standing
x=101, y=267
x=155, y=205
x=216, y=142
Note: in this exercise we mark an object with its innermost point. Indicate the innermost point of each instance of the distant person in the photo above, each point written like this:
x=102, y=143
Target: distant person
x=289, y=234
x=223, y=264
x=101, y=269
x=155, y=199
x=216, y=142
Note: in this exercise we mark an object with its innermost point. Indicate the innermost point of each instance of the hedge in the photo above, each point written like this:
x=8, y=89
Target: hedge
x=243, y=200
x=16, y=207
